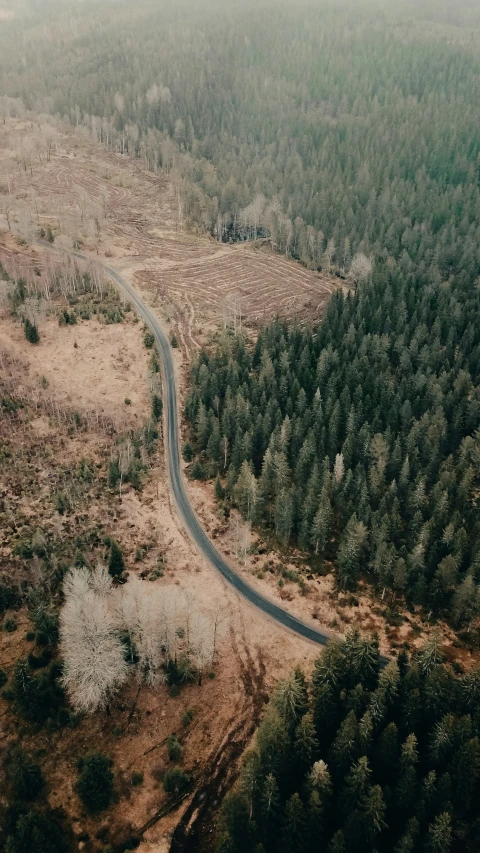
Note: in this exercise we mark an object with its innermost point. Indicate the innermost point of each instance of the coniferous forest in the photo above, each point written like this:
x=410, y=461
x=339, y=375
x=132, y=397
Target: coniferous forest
x=363, y=760
x=343, y=134
x=358, y=440
x=333, y=128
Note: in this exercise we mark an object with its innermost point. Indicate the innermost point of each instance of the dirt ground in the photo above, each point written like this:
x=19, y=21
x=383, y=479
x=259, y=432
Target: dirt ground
x=56, y=176
x=253, y=652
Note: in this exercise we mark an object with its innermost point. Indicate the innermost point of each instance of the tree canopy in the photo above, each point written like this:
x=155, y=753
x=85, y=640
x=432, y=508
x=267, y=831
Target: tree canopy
x=358, y=440
x=362, y=759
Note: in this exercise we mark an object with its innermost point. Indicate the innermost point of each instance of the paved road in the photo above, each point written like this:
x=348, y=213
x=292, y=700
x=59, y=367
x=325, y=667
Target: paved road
x=172, y=452
x=186, y=511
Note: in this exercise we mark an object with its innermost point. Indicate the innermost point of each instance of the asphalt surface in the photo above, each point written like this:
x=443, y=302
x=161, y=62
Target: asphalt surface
x=172, y=453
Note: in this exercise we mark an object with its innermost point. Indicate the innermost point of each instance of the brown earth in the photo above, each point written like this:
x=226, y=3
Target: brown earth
x=58, y=177
x=39, y=449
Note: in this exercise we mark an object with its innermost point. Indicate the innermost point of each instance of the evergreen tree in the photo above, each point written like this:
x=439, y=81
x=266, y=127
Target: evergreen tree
x=116, y=565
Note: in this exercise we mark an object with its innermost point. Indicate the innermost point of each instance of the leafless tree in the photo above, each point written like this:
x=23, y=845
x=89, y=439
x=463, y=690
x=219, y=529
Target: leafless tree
x=94, y=662
x=360, y=268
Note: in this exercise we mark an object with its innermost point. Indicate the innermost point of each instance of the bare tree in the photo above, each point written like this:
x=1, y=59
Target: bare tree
x=360, y=268
x=94, y=661
x=6, y=206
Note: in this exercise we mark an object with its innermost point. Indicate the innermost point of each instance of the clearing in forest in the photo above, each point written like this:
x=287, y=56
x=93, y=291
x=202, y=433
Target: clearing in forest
x=57, y=178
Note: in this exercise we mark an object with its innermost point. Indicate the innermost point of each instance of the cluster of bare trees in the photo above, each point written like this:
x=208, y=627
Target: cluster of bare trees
x=56, y=277
x=107, y=633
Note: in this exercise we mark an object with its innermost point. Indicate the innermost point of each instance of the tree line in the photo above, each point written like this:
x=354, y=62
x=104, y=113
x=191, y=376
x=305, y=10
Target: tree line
x=331, y=129
x=362, y=759
x=357, y=440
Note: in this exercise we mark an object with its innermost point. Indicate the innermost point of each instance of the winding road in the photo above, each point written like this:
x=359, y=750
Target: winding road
x=172, y=453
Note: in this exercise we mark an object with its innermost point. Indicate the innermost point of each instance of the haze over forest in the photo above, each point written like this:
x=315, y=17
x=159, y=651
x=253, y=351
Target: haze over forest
x=268, y=212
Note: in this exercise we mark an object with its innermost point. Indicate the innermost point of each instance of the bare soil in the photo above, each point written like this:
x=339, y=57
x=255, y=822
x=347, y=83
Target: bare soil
x=40, y=448
x=59, y=178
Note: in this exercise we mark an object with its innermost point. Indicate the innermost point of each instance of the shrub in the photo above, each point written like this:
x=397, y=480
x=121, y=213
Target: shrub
x=38, y=698
x=39, y=661
x=8, y=597
x=173, y=340
x=32, y=832
x=148, y=339
x=157, y=407
x=3, y=677
x=197, y=472
x=187, y=452
x=25, y=777
x=42, y=615
x=116, y=566
x=31, y=331
x=154, y=362
x=95, y=782
x=137, y=778
x=187, y=717
x=174, y=748
x=175, y=781
x=67, y=318
x=9, y=625
x=113, y=473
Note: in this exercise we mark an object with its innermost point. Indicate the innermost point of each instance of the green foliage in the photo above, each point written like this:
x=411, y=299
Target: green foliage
x=113, y=475
x=43, y=615
x=157, y=407
x=187, y=452
x=318, y=164
x=31, y=331
x=116, y=565
x=67, y=318
x=4, y=678
x=369, y=758
x=174, y=340
x=187, y=717
x=148, y=339
x=39, y=697
x=9, y=624
x=95, y=782
x=9, y=597
x=174, y=749
x=19, y=294
x=358, y=440
x=33, y=831
x=137, y=778
x=175, y=781
x=24, y=776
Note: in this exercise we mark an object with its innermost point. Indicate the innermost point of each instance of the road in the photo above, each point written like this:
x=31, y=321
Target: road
x=172, y=455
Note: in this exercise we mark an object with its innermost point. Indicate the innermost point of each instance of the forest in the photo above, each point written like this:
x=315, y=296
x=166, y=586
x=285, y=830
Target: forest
x=343, y=136
x=347, y=127
x=362, y=759
x=357, y=440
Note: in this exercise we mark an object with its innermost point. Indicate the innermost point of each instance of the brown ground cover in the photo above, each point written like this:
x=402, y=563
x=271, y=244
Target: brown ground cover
x=59, y=178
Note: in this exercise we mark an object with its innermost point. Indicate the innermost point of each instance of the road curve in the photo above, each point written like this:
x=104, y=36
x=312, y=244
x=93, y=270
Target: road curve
x=172, y=453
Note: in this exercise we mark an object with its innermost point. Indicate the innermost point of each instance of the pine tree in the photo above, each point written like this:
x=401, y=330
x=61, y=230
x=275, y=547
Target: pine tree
x=31, y=331
x=295, y=831
x=95, y=782
x=116, y=566
x=440, y=834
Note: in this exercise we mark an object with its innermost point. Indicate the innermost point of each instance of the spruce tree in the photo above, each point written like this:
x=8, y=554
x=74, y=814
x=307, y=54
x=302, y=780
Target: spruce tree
x=116, y=565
